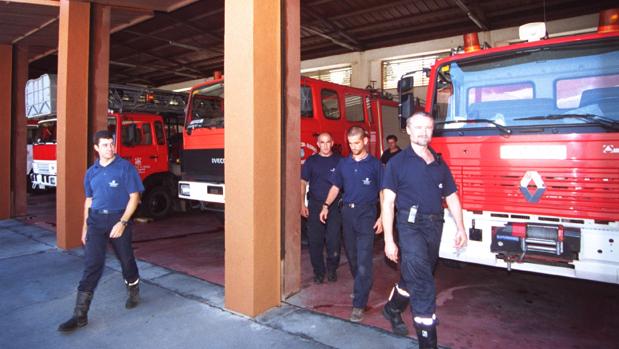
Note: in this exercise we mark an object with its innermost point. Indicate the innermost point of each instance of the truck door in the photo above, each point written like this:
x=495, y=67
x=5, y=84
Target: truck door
x=138, y=146
x=355, y=115
x=331, y=119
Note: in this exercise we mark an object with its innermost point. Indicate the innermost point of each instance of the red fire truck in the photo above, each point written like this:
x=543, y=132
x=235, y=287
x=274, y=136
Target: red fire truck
x=150, y=141
x=531, y=134
x=324, y=107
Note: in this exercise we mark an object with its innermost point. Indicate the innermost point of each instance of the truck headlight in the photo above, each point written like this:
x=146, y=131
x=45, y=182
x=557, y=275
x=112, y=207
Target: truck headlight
x=183, y=188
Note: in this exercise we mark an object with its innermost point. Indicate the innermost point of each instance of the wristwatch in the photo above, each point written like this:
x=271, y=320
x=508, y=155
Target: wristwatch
x=124, y=223
x=326, y=205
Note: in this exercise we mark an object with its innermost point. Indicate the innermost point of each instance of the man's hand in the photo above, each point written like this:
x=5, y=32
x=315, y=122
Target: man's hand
x=460, y=239
x=117, y=230
x=323, y=214
x=84, y=231
x=378, y=226
x=391, y=251
x=304, y=211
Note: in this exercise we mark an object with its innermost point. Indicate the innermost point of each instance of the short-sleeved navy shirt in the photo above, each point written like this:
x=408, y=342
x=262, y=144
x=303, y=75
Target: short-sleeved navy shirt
x=109, y=186
x=360, y=180
x=316, y=171
x=416, y=183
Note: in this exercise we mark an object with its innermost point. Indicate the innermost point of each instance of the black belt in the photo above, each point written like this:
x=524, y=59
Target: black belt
x=432, y=217
x=106, y=211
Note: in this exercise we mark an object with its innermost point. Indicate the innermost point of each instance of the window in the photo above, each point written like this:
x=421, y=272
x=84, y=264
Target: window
x=307, y=102
x=330, y=104
x=354, y=108
x=159, y=133
x=147, y=135
x=509, y=92
x=340, y=75
x=570, y=92
x=395, y=68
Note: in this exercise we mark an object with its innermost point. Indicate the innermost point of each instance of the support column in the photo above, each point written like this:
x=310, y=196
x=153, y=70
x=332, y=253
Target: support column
x=72, y=110
x=253, y=154
x=18, y=126
x=6, y=71
x=291, y=195
x=99, y=72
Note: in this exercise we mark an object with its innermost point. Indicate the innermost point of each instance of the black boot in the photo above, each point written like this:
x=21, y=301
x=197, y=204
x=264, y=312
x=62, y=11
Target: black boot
x=80, y=314
x=134, y=296
x=393, y=309
x=426, y=335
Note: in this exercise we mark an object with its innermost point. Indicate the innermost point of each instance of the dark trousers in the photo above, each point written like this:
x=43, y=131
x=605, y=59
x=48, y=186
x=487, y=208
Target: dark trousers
x=320, y=234
x=358, y=224
x=97, y=237
x=419, y=246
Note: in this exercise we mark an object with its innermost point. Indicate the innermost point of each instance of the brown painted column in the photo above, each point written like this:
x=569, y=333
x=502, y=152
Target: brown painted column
x=252, y=64
x=72, y=110
x=18, y=125
x=99, y=71
x=291, y=194
x=6, y=72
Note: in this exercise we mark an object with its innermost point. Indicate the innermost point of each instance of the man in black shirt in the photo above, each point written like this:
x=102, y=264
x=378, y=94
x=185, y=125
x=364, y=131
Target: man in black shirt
x=392, y=142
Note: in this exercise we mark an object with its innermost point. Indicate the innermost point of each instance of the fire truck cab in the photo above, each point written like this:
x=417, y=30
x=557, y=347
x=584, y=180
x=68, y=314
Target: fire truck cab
x=325, y=107
x=531, y=134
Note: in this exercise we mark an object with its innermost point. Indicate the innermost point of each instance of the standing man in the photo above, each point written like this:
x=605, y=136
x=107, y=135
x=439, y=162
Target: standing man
x=316, y=172
x=359, y=175
x=392, y=142
x=417, y=180
x=112, y=187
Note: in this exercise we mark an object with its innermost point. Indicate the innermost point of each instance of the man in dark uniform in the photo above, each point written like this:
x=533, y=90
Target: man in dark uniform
x=112, y=187
x=316, y=172
x=392, y=150
x=417, y=180
x=359, y=176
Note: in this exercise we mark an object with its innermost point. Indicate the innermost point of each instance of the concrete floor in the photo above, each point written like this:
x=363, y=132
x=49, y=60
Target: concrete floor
x=478, y=307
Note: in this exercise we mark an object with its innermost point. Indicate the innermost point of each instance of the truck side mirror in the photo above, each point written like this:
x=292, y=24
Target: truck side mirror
x=407, y=99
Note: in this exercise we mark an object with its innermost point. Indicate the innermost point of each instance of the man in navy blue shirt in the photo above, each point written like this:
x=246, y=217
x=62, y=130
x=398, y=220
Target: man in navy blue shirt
x=112, y=187
x=416, y=181
x=316, y=172
x=359, y=176
x=392, y=150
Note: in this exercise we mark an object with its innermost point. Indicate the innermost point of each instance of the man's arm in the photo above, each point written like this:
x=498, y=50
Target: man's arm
x=455, y=208
x=304, y=210
x=87, y=205
x=333, y=192
x=378, y=226
x=387, y=213
x=132, y=205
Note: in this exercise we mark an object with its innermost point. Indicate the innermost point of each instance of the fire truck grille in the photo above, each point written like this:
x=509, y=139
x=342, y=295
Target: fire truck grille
x=585, y=193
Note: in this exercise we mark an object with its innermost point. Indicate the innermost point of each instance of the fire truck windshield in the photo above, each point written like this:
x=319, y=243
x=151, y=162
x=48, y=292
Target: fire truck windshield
x=571, y=85
x=207, y=107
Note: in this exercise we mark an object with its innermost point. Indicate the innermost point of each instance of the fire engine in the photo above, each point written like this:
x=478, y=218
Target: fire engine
x=325, y=107
x=531, y=134
x=147, y=125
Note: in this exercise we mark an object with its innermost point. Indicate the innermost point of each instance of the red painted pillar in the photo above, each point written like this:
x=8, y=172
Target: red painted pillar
x=18, y=123
x=6, y=71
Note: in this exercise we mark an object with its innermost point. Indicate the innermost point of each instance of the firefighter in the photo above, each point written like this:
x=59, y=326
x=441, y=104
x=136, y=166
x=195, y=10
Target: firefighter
x=316, y=172
x=359, y=176
x=392, y=150
x=415, y=181
x=112, y=187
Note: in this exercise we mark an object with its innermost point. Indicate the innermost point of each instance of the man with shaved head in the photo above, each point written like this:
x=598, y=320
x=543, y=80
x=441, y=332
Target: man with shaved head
x=316, y=172
x=416, y=181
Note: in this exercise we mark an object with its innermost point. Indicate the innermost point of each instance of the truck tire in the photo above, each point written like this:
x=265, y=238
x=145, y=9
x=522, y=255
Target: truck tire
x=157, y=202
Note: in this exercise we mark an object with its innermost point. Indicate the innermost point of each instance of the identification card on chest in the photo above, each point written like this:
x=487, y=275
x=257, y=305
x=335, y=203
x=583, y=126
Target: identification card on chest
x=412, y=214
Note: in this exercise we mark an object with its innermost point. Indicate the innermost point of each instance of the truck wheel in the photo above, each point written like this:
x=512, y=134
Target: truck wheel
x=157, y=202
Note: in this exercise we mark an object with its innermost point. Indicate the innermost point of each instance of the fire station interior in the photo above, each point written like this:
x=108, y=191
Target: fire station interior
x=159, y=47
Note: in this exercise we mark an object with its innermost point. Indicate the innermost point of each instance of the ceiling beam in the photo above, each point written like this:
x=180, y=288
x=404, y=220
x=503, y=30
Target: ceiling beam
x=199, y=31
x=162, y=58
x=330, y=38
x=474, y=14
x=54, y=3
x=35, y=30
x=333, y=26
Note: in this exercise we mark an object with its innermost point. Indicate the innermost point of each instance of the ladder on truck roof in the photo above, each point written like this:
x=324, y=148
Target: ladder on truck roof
x=125, y=98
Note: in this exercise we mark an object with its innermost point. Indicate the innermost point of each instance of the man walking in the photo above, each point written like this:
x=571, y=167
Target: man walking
x=392, y=150
x=316, y=172
x=359, y=176
x=416, y=180
x=112, y=187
